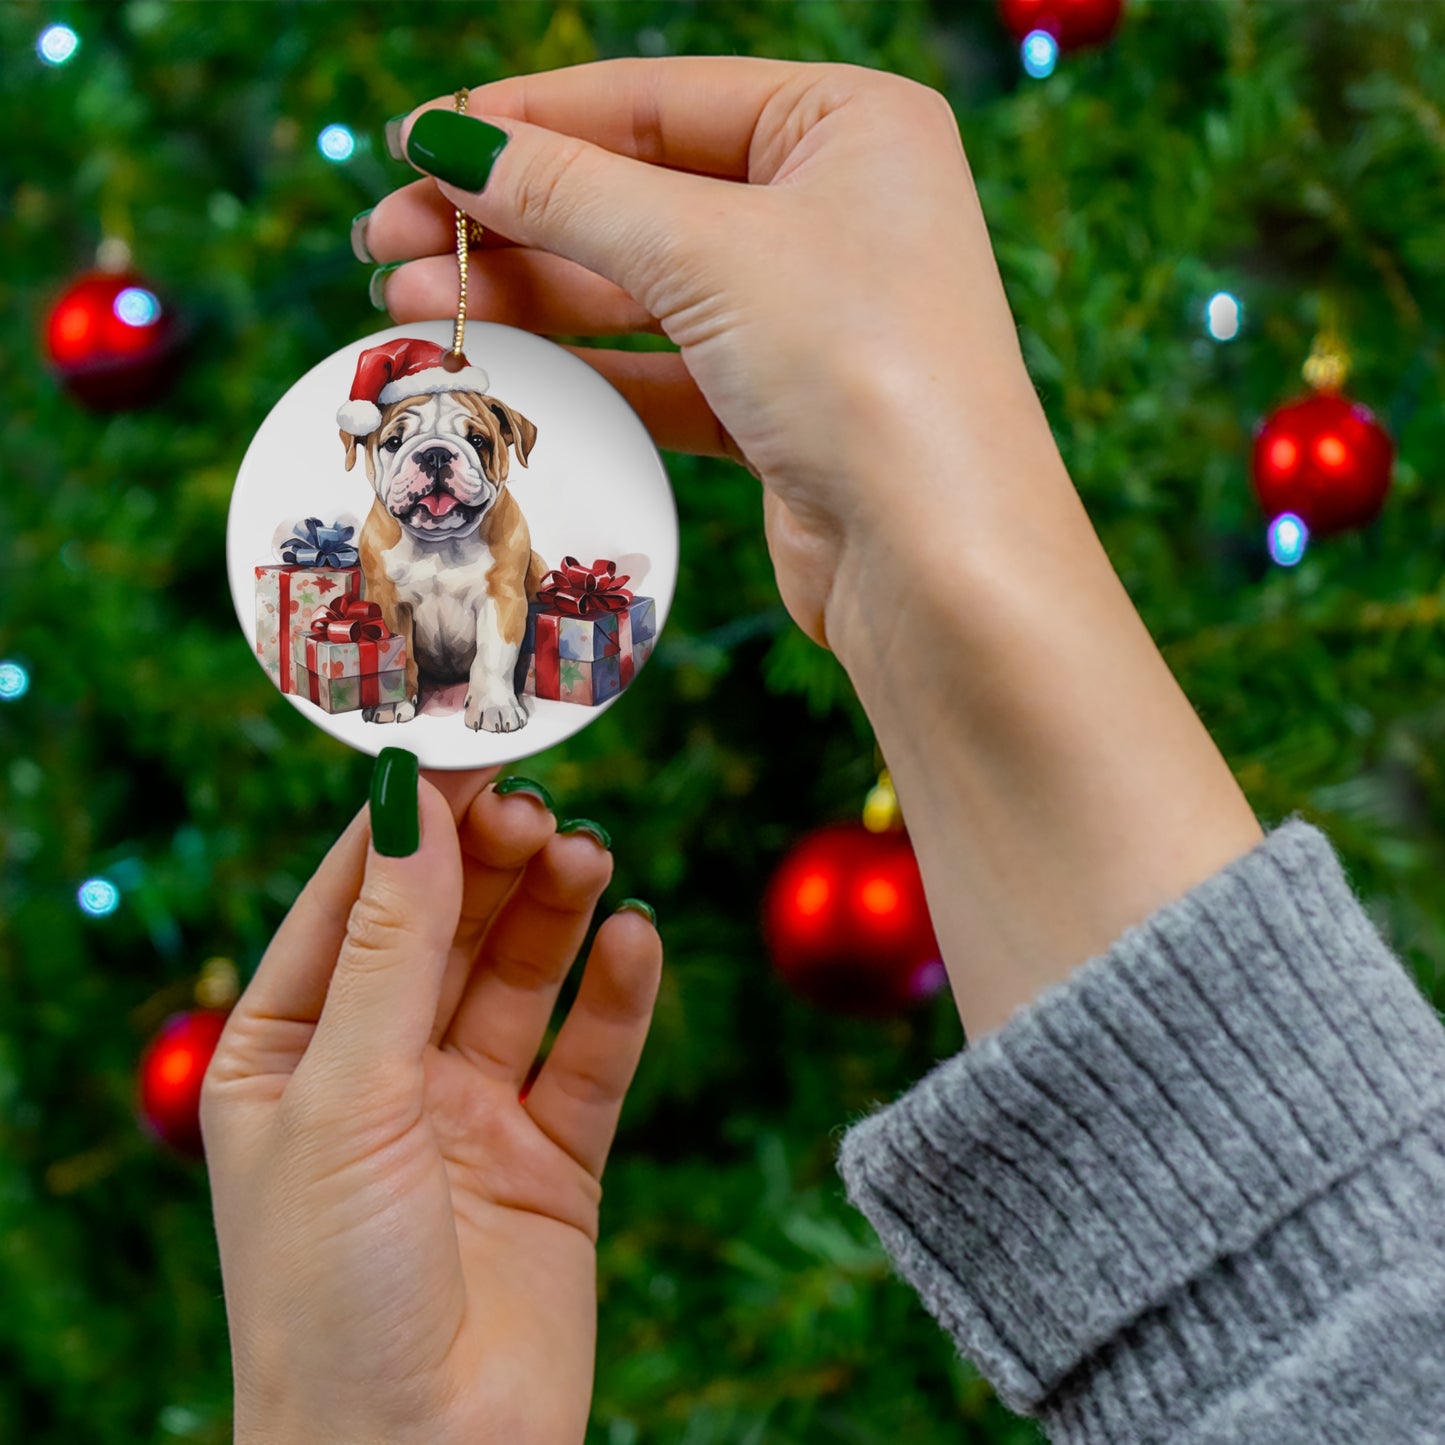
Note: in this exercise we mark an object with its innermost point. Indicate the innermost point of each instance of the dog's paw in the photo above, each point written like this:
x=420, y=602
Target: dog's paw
x=390, y=712
x=498, y=713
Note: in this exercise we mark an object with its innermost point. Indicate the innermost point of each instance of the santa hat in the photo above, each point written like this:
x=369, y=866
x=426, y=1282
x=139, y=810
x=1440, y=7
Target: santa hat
x=401, y=368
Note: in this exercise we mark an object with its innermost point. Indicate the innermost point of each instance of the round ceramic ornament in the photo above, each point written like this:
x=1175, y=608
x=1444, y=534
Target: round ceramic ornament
x=466, y=550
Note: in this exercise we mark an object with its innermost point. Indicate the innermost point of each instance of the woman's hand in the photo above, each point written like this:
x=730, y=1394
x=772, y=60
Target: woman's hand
x=831, y=312
x=407, y=1245
x=810, y=237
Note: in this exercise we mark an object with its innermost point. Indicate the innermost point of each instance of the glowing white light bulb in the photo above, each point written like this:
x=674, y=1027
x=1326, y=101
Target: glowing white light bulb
x=1288, y=538
x=137, y=307
x=98, y=897
x=57, y=44
x=1040, y=52
x=336, y=143
x=14, y=681
x=1223, y=316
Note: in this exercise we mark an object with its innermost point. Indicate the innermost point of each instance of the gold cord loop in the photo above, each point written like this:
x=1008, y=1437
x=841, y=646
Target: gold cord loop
x=468, y=231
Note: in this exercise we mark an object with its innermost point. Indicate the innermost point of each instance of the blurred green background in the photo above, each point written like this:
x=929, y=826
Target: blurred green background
x=1287, y=153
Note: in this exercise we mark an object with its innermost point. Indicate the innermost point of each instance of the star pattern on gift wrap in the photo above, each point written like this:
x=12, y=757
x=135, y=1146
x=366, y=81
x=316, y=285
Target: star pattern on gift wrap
x=326, y=584
x=571, y=674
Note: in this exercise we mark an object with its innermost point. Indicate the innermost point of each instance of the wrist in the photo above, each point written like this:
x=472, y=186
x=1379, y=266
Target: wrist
x=1057, y=784
x=971, y=483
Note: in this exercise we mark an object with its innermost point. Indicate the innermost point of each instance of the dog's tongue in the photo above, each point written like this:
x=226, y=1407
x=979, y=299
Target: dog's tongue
x=438, y=503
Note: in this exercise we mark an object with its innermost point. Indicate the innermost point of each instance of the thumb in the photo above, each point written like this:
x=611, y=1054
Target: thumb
x=632, y=223
x=382, y=1001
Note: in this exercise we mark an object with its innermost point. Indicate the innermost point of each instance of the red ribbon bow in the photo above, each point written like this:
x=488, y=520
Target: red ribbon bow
x=349, y=619
x=582, y=591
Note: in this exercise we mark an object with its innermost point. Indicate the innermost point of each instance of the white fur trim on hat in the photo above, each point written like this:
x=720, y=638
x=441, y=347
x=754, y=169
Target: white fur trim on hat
x=360, y=418
x=433, y=380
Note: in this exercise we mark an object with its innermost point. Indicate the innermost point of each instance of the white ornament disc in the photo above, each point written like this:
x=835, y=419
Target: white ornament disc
x=468, y=564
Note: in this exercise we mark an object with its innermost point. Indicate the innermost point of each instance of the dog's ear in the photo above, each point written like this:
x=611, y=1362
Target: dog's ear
x=370, y=448
x=515, y=428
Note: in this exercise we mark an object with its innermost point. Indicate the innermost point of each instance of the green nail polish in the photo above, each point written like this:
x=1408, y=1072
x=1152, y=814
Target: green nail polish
x=395, y=821
x=586, y=825
x=636, y=905
x=359, y=247
x=455, y=148
x=392, y=132
x=516, y=784
x=376, y=287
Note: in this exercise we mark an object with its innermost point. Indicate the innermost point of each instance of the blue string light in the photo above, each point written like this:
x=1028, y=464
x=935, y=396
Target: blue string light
x=57, y=44
x=137, y=307
x=98, y=897
x=14, y=681
x=336, y=143
x=1223, y=316
x=1288, y=538
x=1040, y=53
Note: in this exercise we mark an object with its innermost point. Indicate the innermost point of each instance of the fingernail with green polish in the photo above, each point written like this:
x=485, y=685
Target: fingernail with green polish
x=636, y=905
x=532, y=789
x=586, y=825
x=395, y=820
x=455, y=148
x=359, y=248
x=376, y=287
x=392, y=133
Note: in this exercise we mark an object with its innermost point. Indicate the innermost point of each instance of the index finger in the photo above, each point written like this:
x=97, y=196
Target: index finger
x=696, y=113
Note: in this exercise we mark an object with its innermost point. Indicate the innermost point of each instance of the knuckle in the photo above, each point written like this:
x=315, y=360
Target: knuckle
x=302, y=1108
x=648, y=139
x=929, y=105
x=588, y=1085
x=375, y=934
x=227, y=1066
x=846, y=76
x=521, y=971
x=211, y=1103
x=542, y=186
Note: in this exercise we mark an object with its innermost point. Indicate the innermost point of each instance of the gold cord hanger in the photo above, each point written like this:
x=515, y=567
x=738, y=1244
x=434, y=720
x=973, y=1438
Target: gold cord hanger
x=468, y=232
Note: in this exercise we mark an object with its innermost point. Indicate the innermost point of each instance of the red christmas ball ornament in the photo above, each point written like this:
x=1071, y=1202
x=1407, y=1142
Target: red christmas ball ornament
x=1073, y=23
x=112, y=341
x=1326, y=459
x=847, y=923
x=171, y=1071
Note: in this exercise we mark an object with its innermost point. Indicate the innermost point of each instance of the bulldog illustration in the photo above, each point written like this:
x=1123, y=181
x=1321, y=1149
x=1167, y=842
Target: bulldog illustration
x=445, y=551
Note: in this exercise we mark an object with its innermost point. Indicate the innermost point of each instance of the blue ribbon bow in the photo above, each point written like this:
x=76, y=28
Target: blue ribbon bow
x=321, y=546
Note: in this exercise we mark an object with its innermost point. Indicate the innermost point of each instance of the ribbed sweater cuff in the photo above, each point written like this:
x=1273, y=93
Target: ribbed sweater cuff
x=1144, y=1164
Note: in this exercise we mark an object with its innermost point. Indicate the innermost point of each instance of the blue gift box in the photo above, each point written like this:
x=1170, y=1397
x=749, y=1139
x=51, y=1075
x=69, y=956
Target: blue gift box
x=584, y=659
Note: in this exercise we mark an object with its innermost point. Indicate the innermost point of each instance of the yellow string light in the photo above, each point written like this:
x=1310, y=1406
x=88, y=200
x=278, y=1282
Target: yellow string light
x=1328, y=365
x=219, y=985
x=880, y=809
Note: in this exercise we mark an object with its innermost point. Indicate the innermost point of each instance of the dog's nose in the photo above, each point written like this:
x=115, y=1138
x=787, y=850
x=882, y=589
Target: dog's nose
x=435, y=462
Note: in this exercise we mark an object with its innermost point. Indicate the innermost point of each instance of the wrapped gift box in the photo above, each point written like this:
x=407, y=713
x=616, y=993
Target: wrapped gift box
x=586, y=635
x=347, y=694
x=636, y=639
x=347, y=659
x=318, y=567
x=585, y=659
x=287, y=598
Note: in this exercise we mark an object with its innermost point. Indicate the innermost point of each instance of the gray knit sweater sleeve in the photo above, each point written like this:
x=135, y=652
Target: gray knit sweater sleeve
x=1196, y=1192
